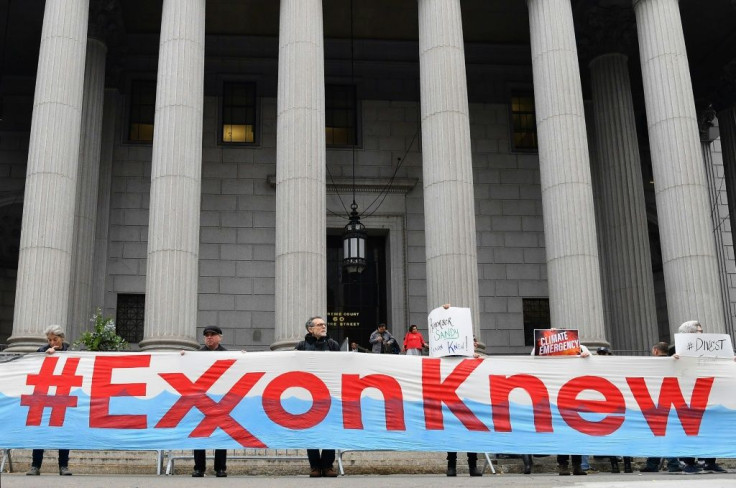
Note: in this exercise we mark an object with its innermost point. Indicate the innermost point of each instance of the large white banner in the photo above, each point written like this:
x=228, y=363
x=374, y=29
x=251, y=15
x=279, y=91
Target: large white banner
x=639, y=406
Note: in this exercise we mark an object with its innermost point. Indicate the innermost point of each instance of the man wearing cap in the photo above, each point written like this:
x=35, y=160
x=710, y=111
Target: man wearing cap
x=320, y=464
x=212, y=337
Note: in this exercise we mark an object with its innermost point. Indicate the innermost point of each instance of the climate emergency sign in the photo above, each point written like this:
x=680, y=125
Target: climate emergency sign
x=640, y=406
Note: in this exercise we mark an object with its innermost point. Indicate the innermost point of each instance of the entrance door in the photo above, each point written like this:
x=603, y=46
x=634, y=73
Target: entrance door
x=356, y=302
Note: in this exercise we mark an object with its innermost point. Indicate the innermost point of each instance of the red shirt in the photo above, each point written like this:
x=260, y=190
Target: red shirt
x=413, y=340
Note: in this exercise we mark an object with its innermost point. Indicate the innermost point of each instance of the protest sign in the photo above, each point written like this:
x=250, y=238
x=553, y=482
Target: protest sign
x=450, y=332
x=556, y=342
x=704, y=345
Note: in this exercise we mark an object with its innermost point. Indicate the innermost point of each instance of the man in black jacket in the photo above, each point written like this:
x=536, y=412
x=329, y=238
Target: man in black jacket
x=212, y=337
x=317, y=340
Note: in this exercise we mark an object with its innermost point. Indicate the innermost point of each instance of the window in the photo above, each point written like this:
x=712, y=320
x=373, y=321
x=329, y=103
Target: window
x=340, y=115
x=536, y=316
x=130, y=313
x=523, y=122
x=238, y=112
x=142, y=110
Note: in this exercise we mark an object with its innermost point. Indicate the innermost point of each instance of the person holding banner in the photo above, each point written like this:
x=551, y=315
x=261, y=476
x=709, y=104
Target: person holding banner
x=55, y=336
x=694, y=327
x=212, y=337
x=414, y=342
x=320, y=464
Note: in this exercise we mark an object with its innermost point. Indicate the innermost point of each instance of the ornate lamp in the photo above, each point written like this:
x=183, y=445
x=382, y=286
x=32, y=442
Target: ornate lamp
x=353, y=243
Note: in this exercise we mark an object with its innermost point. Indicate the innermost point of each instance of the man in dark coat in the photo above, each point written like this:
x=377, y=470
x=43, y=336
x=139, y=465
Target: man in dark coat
x=212, y=337
x=316, y=340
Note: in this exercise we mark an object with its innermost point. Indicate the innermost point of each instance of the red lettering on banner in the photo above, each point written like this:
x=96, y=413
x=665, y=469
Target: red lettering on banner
x=216, y=414
x=570, y=406
x=103, y=389
x=436, y=392
x=670, y=395
x=352, y=388
x=321, y=400
x=502, y=386
x=57, y=402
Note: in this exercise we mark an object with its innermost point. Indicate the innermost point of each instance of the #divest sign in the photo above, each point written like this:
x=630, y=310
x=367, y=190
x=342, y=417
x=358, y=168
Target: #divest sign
x=637, y=406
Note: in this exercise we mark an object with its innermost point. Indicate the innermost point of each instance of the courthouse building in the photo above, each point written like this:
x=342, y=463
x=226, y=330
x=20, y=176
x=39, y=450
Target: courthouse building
x=183, y=163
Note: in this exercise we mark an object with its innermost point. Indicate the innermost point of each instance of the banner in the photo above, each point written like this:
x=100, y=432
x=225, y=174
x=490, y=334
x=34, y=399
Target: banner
x=636, y=406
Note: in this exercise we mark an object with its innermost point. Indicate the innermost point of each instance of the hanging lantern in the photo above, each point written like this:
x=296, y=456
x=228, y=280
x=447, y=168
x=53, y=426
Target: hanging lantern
x=353, y=243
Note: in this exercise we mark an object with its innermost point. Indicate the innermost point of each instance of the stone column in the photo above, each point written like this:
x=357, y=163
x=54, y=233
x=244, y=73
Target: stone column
x=80, y=289
x=449, y=209
x=102, y=226
x=172, y=271
x=42, y=290
x=623, y=223
x=685, y=228
x=300, y=172
x=567, y=198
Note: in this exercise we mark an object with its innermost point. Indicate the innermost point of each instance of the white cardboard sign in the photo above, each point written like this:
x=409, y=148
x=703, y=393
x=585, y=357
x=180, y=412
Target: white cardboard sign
x=450, y=332
x=704, y=345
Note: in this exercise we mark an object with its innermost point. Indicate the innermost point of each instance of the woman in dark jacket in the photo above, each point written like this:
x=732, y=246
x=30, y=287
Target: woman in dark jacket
x=55, y=337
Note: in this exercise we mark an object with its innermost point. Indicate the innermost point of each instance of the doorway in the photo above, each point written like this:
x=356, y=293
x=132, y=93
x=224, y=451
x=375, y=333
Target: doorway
x=356, y=302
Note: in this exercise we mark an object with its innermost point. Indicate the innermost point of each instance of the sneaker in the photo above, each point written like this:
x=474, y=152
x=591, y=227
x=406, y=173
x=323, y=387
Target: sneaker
x=221, y=474
x=329, y=473
x=714, y=468
x=649, y=469
x=315, y=473
x=578, y=471
x=674, y=469
x=591, y=470
x=197, y=474
x=690, y=469
x=64, y=471
x=34, y=471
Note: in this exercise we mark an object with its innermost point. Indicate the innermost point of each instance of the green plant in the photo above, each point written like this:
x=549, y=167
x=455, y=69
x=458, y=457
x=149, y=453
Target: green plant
x=102, y=337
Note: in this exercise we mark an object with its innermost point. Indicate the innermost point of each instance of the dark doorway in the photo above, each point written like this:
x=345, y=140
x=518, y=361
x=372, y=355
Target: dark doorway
x=356, y=302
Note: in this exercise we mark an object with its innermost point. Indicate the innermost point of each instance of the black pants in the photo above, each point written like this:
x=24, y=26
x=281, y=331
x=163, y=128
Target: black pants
x=200, y=460
x=323, y=461
x=576, y=459
x=38, y=458
x=472, y=459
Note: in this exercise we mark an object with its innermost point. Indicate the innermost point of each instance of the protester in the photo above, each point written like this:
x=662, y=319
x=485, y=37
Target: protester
x=320, y=464
x=472, y=456
x=694, y=327
x=212, y=337
x=381, y=340
x=414, y=342
x=55, y=336
x=604, y=351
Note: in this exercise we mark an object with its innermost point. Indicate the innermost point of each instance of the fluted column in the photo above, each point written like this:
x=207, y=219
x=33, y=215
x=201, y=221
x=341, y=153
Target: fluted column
x=449, y=211
x=623, y=224
x=42, y=289
x=300, y=171
x=80, y=294
x=727, y=129
x=173, y=229
x=102, y=226
x=685, y=228
x=567, y=198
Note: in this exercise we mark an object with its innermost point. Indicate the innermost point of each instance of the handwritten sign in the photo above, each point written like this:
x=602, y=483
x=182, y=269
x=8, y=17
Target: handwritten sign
x=556, y=342
x=450, y=332
x=704, y=345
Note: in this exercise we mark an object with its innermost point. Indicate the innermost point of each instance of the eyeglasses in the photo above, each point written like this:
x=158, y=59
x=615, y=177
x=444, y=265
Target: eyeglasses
x=320, y=324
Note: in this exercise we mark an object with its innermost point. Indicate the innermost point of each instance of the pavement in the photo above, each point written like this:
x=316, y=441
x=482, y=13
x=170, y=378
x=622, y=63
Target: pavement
x=600, y=480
